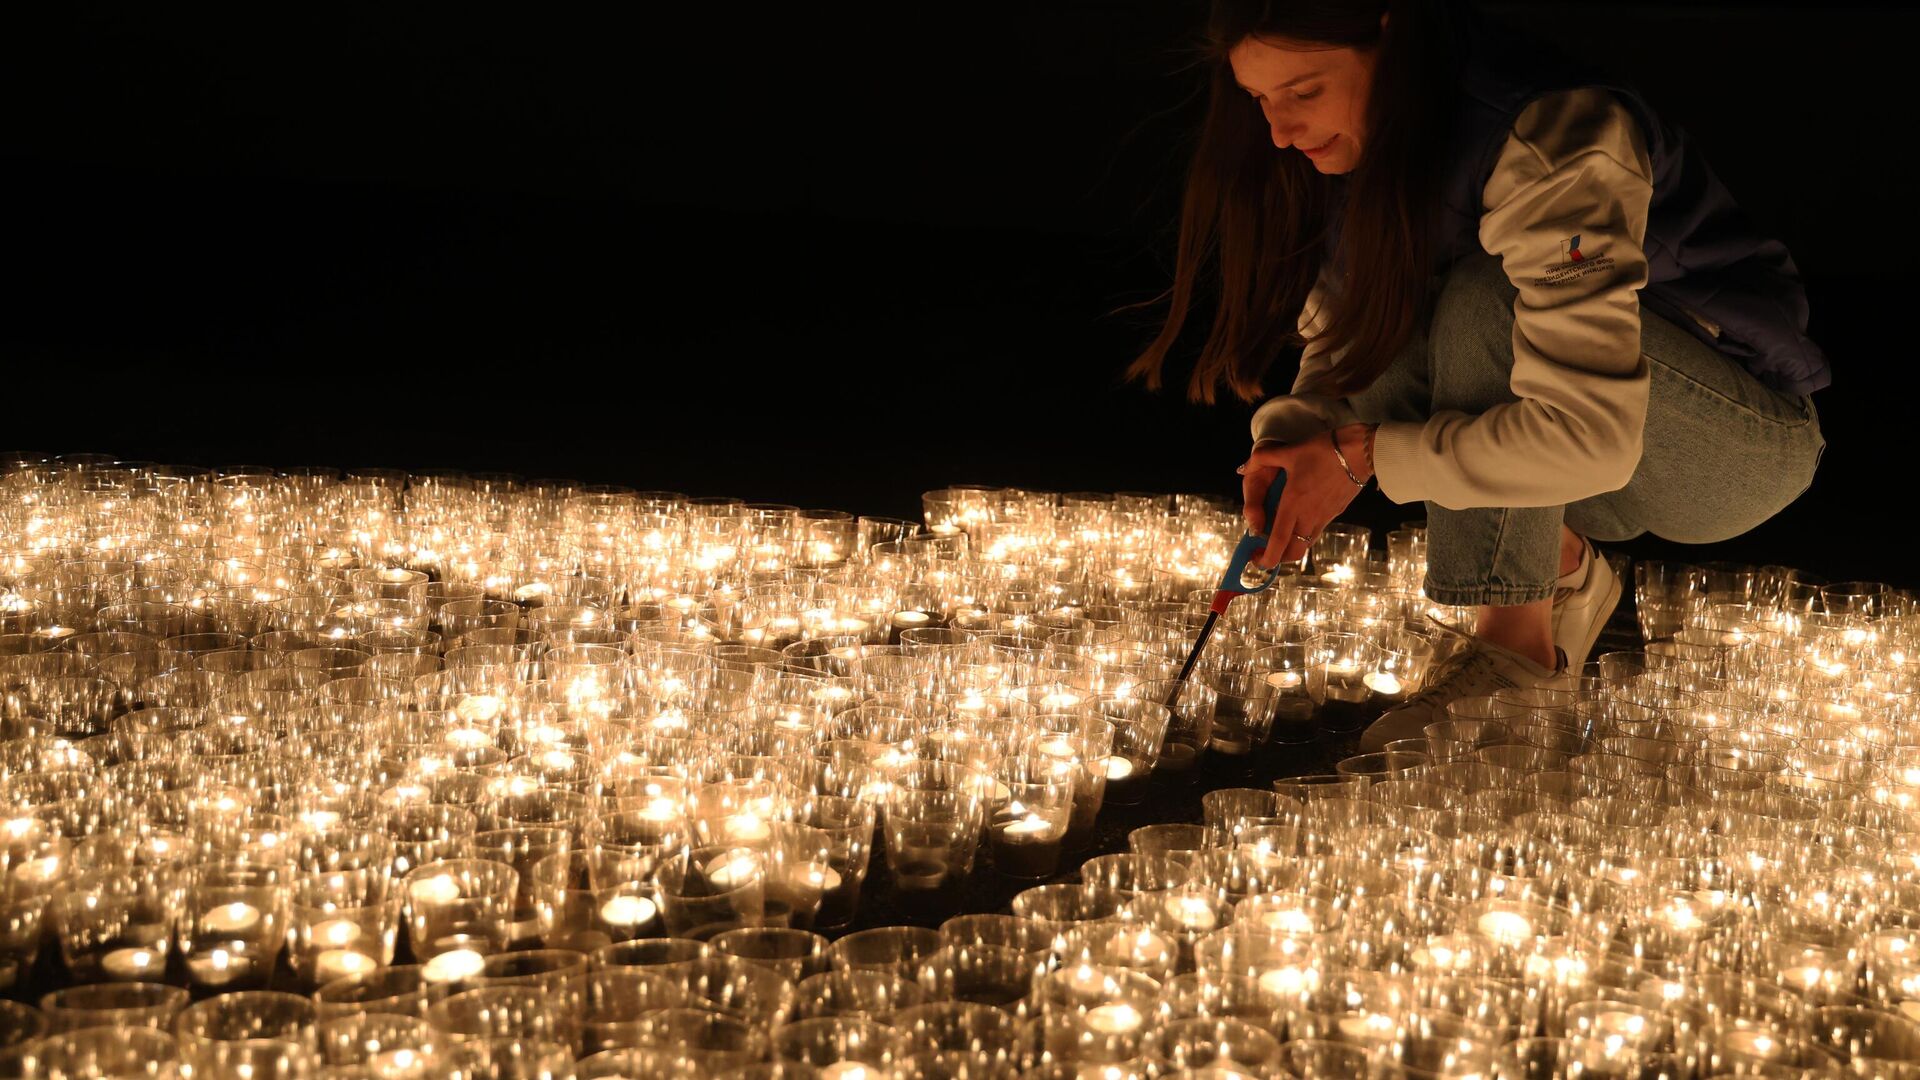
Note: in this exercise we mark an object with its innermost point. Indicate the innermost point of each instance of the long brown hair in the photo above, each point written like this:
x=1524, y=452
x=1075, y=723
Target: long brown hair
x=1254, y=222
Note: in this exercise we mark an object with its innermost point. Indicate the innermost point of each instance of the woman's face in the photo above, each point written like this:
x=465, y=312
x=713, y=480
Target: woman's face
x=1314, y=98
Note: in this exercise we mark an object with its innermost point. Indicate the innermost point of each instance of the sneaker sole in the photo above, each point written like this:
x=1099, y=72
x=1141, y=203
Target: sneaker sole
x=1604, y=612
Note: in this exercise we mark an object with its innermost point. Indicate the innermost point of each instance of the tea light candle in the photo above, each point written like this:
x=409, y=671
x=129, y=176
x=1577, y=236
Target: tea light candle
x=1283, y=680
x=135, y=964
x=1617, y=1027
x=1283, y=982
x=731, y=871
x=1148, y=949
x=40, y=871
x=1029, y=828
x=1115, y=1019
x=824, y=879
x=1118, y=768
x=233, y=920
x=747, y=829
x=1193, y=913
x=336, y=933
x=403, y=1064
x=1289, y=921
x=1057, y=747
x=1384, y=683
x=454, y=965
x=218, y=968
x=438, y=889
x=844, y=1070
x=660, y=810
x=1752, y=1043
x=333, y=964
x=910, y=620
x=1506, y=927
x=627, y=912
x=1365, y=1027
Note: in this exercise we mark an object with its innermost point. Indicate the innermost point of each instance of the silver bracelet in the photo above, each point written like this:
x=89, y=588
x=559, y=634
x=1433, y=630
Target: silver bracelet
x=1343, y=460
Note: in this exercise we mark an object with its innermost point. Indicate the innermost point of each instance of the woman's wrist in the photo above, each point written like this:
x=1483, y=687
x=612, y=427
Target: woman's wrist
x=1353, y=444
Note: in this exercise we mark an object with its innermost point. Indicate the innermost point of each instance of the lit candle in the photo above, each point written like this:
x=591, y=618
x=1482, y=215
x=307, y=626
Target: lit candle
x=1115, y=1019
x=336, y=933
x=438, y=889
x=1752, y=1043
x=401, y=1064
x=824, y=879
x=1617, y=1026
x=1149, y=949
x=218, y=967
x=232, y=920
x=1385, y=683
x=627, y=912
x=660, y=810
x=1059, y=746
x=908, y=620
x=1192, y=912
x=730, y=871
x=453, y=966
x=135, y=964
x=747, y=828
x=845, y=1070
x=1506, y=927
x=38, y=871
x=1118, y=768
x=331, y=964
x=1029, y=828
x=1283, y=680
x=1366, y=1028
x=1283, y=982
x=1290, y=921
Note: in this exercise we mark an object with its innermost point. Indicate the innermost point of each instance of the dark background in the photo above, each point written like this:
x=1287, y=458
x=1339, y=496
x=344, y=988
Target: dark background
x=831, y=255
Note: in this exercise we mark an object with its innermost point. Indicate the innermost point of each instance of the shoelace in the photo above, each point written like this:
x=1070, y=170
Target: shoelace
x=1470, y=665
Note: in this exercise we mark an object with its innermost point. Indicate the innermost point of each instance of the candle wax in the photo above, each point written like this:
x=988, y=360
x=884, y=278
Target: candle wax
x=233, y=920
x=1029, y=828
x=439, y=889
x=454, y=966
x=137, y=964
x=1117, y=1019
x=1119, y=768
x=627, y=912
x=1383, y=682
x=218, y=968
x=1283, y=982
x=726, y=872
x=1505, y=927
x=333, y=964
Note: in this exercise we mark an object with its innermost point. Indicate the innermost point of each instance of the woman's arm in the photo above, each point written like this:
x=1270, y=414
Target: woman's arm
x=1575, y=166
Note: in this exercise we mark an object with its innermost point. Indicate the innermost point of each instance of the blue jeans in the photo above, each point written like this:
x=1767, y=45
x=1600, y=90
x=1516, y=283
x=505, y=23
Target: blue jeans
x=1723, y=451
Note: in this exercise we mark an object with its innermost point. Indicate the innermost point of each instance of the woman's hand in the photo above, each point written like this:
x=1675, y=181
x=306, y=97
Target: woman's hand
x=1318, y=489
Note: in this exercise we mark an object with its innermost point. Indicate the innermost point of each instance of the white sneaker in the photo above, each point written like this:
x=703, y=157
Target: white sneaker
x=1483, y=668
x=1582, y=605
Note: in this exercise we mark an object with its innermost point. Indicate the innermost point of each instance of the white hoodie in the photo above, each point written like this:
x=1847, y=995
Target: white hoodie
x=1576, y=165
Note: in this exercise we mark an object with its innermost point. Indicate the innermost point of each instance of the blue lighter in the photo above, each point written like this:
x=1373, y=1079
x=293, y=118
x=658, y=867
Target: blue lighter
x=1243, y=576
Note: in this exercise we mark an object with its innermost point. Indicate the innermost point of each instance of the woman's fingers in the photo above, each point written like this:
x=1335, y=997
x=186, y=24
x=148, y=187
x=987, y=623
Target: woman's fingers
x=1253, y=488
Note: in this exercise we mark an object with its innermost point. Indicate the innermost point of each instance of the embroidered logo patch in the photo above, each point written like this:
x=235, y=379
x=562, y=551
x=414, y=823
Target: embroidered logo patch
x=1574, y=264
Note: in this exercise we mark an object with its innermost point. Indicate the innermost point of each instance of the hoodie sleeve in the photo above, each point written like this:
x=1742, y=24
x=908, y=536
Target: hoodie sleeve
x=1565, y=210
